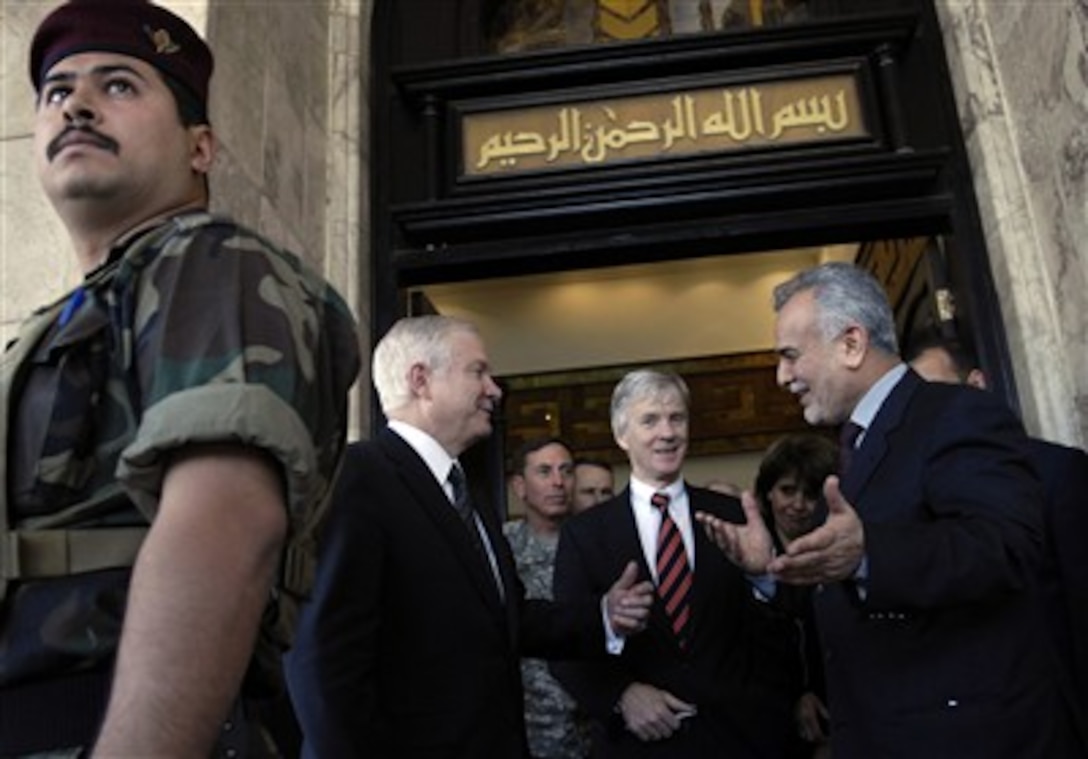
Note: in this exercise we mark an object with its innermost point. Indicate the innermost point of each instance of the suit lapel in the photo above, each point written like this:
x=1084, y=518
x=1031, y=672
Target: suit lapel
x=508, y=571
x=710, y=564
x=874, y=446
x=705, y=556
x=623, y=528
x=425, y=490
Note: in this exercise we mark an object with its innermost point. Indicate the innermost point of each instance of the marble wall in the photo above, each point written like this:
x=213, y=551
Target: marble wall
x=287, y=103
x=1020, y=72
x=36, y=263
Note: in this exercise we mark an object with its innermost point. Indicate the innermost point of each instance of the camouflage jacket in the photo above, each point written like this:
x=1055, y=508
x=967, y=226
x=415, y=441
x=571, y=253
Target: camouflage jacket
x=551, y=722
x=195, y=331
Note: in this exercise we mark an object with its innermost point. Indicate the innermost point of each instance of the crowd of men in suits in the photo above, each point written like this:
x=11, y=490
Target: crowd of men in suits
x=926, y=574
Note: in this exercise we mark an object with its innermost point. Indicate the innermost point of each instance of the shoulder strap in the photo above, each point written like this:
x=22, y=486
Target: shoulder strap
x=299, y=568
x=46, y=551
x=30, y=334
x=41, y=552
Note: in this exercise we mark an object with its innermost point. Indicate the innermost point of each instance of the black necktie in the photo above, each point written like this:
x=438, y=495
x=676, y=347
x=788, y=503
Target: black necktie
x=674, y=576
x=462, y=502
x=848, y=439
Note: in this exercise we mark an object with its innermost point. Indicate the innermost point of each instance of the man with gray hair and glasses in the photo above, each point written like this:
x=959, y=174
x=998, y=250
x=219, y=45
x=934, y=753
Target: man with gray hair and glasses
x=927, y=567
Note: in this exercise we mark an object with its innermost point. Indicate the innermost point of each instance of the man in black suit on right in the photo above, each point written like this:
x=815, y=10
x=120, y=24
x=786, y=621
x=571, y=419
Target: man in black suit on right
x=927, y=568
x=1064, y=474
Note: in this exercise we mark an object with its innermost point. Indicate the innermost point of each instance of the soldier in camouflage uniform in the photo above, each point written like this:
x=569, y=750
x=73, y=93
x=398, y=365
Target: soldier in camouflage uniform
x=543, y=481
x=172, y=426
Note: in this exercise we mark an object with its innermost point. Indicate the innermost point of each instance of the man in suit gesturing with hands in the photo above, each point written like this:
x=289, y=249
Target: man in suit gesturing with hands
x=927, y=568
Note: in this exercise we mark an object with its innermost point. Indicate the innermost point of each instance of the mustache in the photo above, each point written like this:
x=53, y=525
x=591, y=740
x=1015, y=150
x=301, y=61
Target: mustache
x=86, y=134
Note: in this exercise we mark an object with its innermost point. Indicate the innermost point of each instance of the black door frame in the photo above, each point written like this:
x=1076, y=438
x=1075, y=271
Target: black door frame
x=911, y=179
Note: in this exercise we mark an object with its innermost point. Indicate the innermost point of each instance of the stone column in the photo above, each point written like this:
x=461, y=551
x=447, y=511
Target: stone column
x=1020, y=73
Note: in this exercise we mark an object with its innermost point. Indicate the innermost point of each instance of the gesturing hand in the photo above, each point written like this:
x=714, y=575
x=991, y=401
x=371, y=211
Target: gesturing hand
x=628, y=602
x=747, y=545
x=829, y=553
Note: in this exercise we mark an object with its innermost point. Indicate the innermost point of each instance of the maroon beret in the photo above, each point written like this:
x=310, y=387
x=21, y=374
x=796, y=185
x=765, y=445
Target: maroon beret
x=129, y=27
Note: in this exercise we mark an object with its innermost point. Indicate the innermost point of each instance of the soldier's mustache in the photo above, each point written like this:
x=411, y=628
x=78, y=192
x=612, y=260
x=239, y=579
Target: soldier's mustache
x=83, y=135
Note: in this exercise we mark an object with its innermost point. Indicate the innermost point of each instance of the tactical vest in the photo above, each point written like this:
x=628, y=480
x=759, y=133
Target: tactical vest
x=53, y=548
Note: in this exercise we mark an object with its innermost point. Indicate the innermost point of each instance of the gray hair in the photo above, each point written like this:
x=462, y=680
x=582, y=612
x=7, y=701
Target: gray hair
x=412, y=340
x=845, y=295
x=642, y=384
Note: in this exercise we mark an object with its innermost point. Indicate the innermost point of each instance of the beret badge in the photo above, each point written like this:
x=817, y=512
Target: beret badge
x=160, y=38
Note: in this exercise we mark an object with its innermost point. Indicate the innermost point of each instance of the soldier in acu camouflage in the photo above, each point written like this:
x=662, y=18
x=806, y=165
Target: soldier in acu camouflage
x=543, y=480
x=172, y=427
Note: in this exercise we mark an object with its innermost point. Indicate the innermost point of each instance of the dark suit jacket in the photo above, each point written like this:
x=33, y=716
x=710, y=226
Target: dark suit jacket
x=406, y=649
x=946, y=655
x=1064, y=473
x=728, y=670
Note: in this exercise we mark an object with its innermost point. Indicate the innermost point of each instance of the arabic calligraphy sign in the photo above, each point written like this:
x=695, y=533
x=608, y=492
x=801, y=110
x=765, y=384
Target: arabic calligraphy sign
x=588, y=133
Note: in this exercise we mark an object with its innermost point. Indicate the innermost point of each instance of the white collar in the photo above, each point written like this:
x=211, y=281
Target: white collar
x=428, y=449
x=865, y=412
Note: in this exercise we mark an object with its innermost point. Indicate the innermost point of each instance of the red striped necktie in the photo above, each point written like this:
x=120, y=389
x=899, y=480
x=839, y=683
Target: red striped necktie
x=674, y=576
